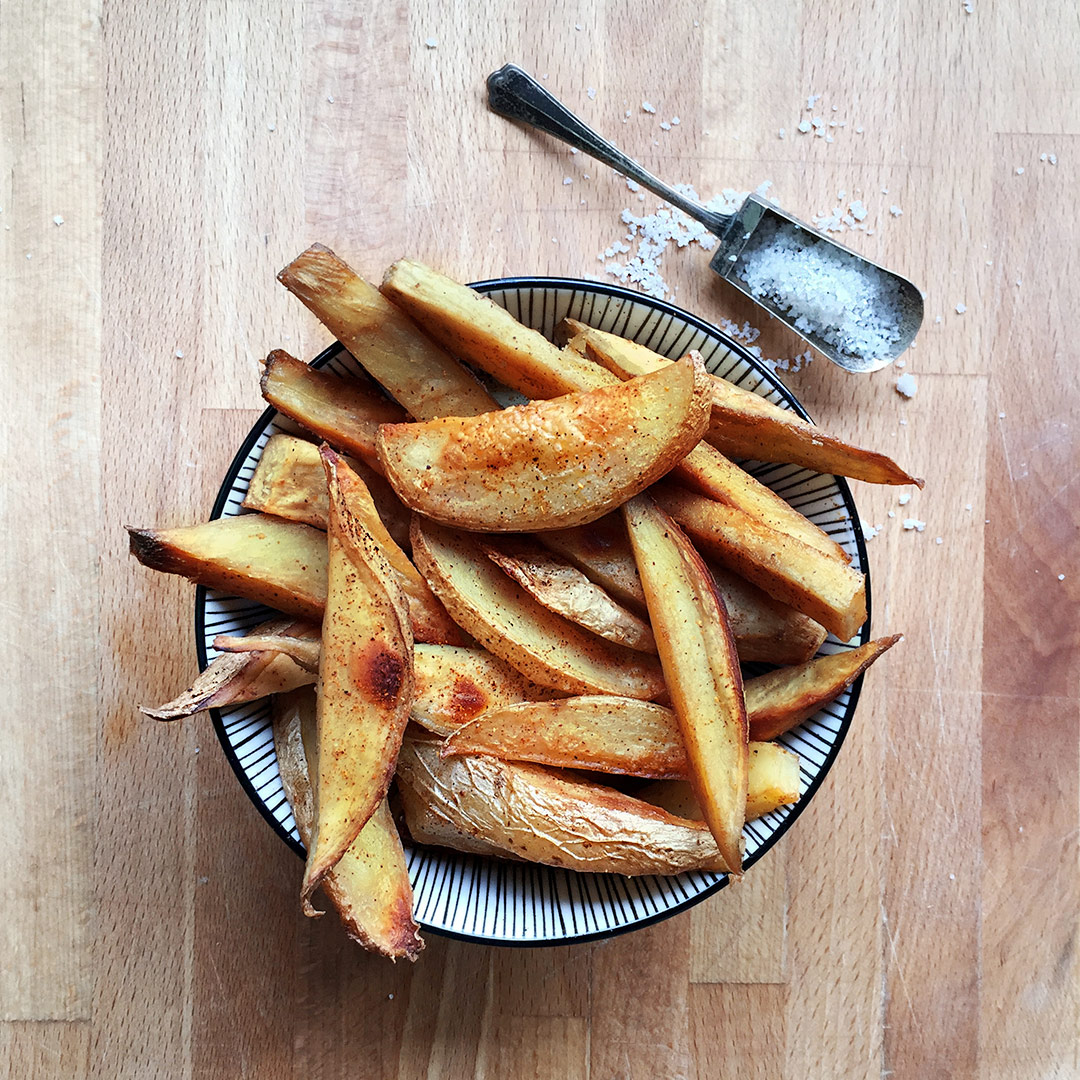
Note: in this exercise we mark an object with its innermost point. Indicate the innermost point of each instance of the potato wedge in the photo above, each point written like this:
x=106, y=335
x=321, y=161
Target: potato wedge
x=425, y=379
x=744, y=424
x=537, y=814
x=365, y=686
x=548, y=464
x=780, y=700
x=564, y=589
x=234, y=679
x=822, y=588
x=304, y=651
x=288, y=482
x=281, y=564
x=501, y=616
x=773, y=782
x=483, y=334
x=344, y=412
x=369, y=886
x=765, y=629
x=701, y=668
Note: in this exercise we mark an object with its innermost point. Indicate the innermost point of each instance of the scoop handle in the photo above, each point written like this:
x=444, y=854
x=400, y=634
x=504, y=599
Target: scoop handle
x=515, y=94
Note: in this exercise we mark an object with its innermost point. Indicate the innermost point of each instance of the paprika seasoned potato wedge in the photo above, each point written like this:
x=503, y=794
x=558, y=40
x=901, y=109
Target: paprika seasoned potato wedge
x=744, y=424
x=822, y=588
x=424, y=378
x=548, y=464
x=700, y=666
x=541, y=815
x=369, y=887
x=485, y=335
x=288, y=482
x=365, y=686
x=505, y=619
x=344, y=412
x=245, y=675
x=773, y=782
x=779, y=700
x=564, y=589
x=610, y=735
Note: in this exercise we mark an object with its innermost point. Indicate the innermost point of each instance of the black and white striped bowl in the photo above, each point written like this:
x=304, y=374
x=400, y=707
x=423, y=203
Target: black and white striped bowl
x=497, y=902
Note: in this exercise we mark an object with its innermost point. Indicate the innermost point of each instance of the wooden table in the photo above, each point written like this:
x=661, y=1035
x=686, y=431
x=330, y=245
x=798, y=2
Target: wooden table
x=161, y=162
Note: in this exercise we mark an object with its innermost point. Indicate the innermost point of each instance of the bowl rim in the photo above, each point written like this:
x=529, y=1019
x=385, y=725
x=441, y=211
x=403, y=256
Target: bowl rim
x=665, y=307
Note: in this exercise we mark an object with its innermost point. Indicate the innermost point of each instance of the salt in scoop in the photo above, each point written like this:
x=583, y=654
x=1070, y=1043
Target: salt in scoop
x=853, y=311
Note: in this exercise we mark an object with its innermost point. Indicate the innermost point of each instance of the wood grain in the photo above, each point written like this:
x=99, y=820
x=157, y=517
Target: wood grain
x=921, y=919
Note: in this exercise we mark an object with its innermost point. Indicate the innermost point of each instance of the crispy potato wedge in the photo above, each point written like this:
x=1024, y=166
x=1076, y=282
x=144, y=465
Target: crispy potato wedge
x=427, y=616
x=369, y=886
x=697, y=652
x=480, y=332
x=548, y=464
x=424, y=378
x=773, y=782
x=365, y=686
x=564, y=589
x=288, y=482
x=344, y=412
x=780, y=700
x=822, y=588
x=233, y=679
x=281, y=564
x=501, y=616
x=765, y=629
x=303, y=651
x=744, y=424
x=534, y=813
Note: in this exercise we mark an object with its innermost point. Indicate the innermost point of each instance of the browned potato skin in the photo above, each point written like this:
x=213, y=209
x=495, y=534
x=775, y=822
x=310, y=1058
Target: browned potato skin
x=701, y=667
x=552, y=463
x=822, y=588
x=536, y=814
x=239, y=677
x=765, y=629
x=344, y=412
x=503, y=618
x=365, y=685
x=564, y=589
x=773, y=782
x=783, y=699
x=369, y=886
x=278, y=563
x=425, y=379
x=744, y=424
x=288, y=482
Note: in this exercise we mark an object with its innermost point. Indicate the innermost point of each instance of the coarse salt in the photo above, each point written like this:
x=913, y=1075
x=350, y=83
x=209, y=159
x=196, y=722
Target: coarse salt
x=914, y=524
x=1019, y=170
x=567, y=180
x=58, y=220
x=960, y=309
x=648, y=107
x=827, y=292
x=432, y=43
x=591, y=91
x=895, y=210
x=804, y=126
x=906, y=385
x=905, y=498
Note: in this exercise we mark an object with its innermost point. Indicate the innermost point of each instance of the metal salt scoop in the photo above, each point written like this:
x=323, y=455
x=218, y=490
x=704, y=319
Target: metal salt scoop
x=853, y=311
